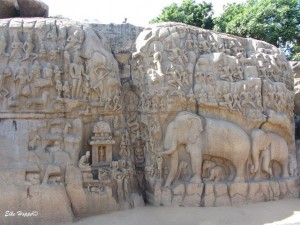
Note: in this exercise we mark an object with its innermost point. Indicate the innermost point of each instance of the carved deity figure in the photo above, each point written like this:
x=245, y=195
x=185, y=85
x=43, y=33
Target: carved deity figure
x=157, y=60
x=99, y=86
x=28, y=49
x=84, y=161
x=76, y=72
x=48, y=72
x=23, y=78
x=6, y=73
x=246, y=97
x=120, y=191
x=35, y=70
x=16, y=48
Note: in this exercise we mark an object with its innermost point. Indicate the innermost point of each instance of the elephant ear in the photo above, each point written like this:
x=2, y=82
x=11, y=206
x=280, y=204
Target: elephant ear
x=195, y=129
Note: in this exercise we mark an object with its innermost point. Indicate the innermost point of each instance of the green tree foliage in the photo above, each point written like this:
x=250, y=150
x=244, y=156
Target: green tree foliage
x=188, y=12
x=274, y=21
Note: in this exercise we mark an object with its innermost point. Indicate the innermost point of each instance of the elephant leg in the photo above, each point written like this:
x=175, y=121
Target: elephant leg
x=266, y=165
x=196, y=161
x=240, y=172
x=173, y=168
x=284, y=167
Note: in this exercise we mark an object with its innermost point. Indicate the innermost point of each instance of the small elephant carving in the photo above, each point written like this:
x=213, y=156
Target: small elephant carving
x=213, y=172
x=268, y=147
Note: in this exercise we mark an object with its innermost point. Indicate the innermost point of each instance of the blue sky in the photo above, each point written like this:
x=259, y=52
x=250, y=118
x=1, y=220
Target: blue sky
x=137, y=12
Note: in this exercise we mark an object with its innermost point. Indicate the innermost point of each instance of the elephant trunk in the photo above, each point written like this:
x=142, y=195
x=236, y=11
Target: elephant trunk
x=170, y=142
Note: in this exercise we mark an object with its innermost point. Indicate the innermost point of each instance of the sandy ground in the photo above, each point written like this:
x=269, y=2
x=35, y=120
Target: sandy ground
x=283, y=212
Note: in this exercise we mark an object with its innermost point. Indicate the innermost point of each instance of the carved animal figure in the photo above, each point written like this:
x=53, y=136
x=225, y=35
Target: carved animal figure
x=40, y=101
x=205, y=136
x=213, y=172
x=268, y=147
x=293, y=170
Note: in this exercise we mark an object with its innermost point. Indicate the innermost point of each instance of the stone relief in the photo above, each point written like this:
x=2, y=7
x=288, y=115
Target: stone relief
x=220, y=98
x=184, y=116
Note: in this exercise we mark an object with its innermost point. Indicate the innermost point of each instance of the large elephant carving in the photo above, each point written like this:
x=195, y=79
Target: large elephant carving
x=268, y=147
x=205, y=136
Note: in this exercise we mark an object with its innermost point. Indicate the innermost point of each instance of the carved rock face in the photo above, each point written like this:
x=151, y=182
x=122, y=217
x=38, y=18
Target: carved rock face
x=82, y=125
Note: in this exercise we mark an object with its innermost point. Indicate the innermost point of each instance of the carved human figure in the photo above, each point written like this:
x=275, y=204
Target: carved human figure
x=203, y=96
x=48, y=72
x=16, y=48
x=107, y=105
x=34, y=138
x=157, y=59
x=99, y=86
x=6, y=73
x=75, y=40
x=102, y=155
x=77, y=72
x=84, y=162
x=104, y=179
x=59, y=88
x=236, y=101
x=116, y=101
x=281, y=100
x=66, y=90
x=3, y=44
x=123, y=149
x=271, y=98
x=159, y=162
x=175, y=81
x=227, y=73
x=203, y=44
x=119, y=177
x=42, y=55
x=86, y=90
x=28, y=49
x=238, y=73
x=246, y=97
x=52, y=55
x=57, y=73
x=258, y=98
x=35, y=71
x=23, y=78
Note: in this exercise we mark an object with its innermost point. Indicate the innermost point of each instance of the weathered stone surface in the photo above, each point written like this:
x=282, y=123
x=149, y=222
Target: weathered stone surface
x=103, y=114
x=254, y=193
x=192, y=200
x=179, y=189
x=166, y=196
x=209, y=196
x=238, y=193
x=194, y=189
x=33, y=8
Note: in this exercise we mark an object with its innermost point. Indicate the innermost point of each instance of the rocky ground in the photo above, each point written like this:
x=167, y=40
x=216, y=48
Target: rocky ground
x=283, y=212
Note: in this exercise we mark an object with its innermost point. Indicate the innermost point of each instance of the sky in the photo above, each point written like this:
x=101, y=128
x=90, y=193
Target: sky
x=137, y=12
